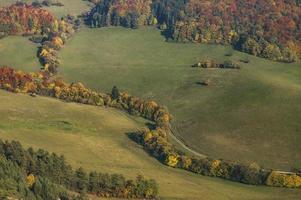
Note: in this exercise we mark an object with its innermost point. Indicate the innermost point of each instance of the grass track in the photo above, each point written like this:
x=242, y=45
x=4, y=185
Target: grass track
x=95, y=138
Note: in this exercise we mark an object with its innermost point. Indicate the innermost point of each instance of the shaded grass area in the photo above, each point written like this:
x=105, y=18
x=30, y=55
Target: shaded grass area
x=251, y=114
x=95, y=138
x=19, y=51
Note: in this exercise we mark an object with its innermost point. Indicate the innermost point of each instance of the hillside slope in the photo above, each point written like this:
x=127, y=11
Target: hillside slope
x=19, y=51
x=95, y=139
x=250, y=114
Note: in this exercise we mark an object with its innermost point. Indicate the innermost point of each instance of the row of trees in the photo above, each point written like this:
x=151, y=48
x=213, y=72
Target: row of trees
x=39, y=175
x=53, y=41
x=269, y=29
x=42, y=83
x=157, y=144
x=228, y=64
x=155, y=141
x=43, y=27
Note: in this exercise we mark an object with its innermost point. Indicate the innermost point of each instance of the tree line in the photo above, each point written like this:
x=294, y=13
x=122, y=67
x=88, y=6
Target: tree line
x=42, y=27
x=268, y=29
x=29, y=174
x=43, y=84
x=156, y=143
x=154, y=140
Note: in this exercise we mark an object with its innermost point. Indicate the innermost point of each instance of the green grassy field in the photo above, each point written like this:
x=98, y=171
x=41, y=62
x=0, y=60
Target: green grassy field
x=73, y=7
x=19, y=51
x=252, y=114
x=9, y=2
x=95, y=138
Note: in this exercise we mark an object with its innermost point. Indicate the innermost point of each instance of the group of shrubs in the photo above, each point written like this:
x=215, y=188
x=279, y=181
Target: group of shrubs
x=40, y=175
x=54, y=40
x=228, y=64
x=155, y=141
x=48, y=3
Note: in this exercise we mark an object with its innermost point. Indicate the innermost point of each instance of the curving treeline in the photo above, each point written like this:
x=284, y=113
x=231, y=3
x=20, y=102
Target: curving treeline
x=154, y=140
x=43, y=27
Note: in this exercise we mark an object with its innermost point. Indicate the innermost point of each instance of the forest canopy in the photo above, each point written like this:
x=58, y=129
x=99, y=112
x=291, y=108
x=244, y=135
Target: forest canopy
x=22, y=18
x=30, y=174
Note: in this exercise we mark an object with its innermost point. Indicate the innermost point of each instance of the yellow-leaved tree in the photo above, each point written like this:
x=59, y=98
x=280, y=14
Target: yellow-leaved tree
x=279, y=179
x=172, y=160
x=30, y=180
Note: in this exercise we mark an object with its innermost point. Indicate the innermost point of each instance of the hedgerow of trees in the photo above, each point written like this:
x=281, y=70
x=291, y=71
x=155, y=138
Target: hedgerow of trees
x=154, y=140
x=42, y=26
x=269, y=29
x=43, y=84
x=157, y=144
x=30, y=174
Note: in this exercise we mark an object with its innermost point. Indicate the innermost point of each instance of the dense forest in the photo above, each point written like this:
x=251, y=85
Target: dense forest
x=269, y=29
x=22, y=18
x=30, y=174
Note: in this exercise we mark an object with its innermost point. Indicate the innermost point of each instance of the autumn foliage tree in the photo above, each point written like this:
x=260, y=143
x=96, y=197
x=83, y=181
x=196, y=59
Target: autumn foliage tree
x=22, y=19
x=35, y=175
x=127, y=13
x=50, y=32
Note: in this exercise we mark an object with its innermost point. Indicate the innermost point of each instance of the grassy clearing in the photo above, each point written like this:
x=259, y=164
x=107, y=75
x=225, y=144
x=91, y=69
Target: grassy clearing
x=251, y=114
x=19, y=51
x=73, y=7
x=95, y=138
x=9, y=2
